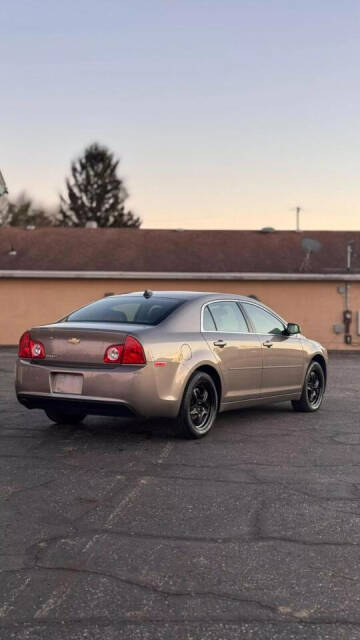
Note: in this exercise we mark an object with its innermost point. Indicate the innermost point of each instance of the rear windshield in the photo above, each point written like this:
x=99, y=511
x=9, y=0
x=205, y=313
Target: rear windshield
x=128, y=310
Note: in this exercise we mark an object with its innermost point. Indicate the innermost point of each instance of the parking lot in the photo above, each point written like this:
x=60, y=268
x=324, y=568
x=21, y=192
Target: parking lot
x=114, y=530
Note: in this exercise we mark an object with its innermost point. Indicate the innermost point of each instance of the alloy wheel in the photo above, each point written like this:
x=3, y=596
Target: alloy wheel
x=314, y=388
x=201, y=405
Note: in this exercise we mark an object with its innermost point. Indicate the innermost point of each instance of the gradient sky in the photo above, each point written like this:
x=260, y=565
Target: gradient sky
x=225, y=113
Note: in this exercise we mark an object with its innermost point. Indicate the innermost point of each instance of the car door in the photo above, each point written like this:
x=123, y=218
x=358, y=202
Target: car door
x=237, y=350
x=283, y=356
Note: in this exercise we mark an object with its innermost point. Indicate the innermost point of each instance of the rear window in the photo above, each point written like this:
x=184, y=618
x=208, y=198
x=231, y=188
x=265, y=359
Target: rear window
x=128, y=310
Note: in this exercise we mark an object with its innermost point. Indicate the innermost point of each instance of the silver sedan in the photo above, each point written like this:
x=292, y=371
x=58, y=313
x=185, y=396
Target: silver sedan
x=182, y=355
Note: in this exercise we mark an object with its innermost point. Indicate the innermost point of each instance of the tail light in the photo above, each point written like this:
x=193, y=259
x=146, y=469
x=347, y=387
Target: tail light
x=114, y=353
x=30, y=349
x=131, y=352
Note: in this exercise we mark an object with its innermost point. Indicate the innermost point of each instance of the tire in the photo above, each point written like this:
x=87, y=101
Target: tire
x=313, y=389
x=65, y=418
x=199, y=406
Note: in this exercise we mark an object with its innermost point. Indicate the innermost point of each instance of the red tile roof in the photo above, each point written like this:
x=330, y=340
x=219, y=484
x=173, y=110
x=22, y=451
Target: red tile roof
x=152, y=250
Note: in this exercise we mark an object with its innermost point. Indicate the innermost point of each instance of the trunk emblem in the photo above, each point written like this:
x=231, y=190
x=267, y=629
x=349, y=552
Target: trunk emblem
x=74, y=340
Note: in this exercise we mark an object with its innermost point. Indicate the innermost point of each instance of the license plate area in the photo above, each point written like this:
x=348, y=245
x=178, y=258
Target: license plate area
x=67, y=383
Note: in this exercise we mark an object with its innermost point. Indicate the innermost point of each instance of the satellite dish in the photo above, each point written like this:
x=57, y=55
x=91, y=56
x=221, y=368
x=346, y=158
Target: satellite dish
x=310, y=245
x=3, y=187
x=267, y=230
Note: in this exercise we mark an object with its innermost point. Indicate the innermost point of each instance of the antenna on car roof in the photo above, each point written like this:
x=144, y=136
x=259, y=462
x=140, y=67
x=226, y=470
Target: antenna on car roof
x=148, y=293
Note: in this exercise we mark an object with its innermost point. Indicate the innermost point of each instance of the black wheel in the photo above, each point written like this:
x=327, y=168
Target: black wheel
x=199, y=406
x=313, y=389
x=65, y=418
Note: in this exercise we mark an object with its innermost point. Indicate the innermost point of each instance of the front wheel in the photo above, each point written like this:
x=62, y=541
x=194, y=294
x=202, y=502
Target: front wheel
x=199, y=406
x=313, y=389
x=65, y=418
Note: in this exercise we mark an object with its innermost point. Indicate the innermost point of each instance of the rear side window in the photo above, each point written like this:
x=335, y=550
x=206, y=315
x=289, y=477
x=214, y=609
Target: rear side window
x=126, y=310
x=227, y=317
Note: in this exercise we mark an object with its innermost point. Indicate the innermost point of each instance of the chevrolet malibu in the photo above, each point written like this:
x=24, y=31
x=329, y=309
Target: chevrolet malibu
x=181, y=355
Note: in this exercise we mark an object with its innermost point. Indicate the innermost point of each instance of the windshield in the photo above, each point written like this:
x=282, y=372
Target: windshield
x=127, y=309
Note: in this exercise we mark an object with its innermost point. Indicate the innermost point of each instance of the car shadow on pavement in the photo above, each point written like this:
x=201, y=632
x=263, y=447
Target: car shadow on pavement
x=104, y=428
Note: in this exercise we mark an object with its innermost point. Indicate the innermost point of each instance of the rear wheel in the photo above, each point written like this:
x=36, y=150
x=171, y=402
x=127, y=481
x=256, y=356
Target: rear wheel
x=313, y=389
x=199, y=406
x=65, y=418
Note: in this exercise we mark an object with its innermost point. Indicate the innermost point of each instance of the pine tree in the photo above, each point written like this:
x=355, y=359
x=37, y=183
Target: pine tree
x=95, y=193
x=23, y=213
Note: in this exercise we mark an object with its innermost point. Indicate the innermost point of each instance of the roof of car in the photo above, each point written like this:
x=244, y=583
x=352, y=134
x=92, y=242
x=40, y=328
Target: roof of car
x=183, y=295
x=190, y=295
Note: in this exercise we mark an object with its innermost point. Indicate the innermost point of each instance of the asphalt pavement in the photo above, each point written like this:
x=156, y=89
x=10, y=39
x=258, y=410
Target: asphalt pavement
x=113, y=530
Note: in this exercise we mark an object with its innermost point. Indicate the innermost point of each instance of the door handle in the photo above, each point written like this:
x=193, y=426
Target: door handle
x=268, y=344
x=219, y=343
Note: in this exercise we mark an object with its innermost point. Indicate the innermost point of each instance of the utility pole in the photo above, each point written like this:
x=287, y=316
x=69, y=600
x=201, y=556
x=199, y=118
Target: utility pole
x=298, y=209
x=349, y=252
x=347, y=314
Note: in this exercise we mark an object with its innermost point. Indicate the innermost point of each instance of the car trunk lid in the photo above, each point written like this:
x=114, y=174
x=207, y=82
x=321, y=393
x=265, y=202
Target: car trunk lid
x=71, y=344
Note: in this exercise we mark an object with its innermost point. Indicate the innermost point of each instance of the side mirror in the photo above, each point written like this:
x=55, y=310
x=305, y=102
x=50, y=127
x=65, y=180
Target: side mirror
x=292, y=329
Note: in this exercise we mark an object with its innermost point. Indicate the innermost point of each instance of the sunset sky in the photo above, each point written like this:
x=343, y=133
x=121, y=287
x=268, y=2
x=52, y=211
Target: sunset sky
x=225, y=113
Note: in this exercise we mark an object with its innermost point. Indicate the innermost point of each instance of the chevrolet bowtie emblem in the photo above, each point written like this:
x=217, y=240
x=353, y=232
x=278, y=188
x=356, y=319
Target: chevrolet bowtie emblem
x=74, y=340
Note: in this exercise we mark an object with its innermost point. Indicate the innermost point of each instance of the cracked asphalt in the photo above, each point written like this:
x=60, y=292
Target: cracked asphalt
x=114, y=530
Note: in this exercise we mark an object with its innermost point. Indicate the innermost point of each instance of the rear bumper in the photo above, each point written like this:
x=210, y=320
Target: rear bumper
x=69, y=404
x=129, y=390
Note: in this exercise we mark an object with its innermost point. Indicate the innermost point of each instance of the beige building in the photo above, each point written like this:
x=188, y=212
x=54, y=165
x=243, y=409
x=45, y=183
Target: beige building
x=311, y=277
